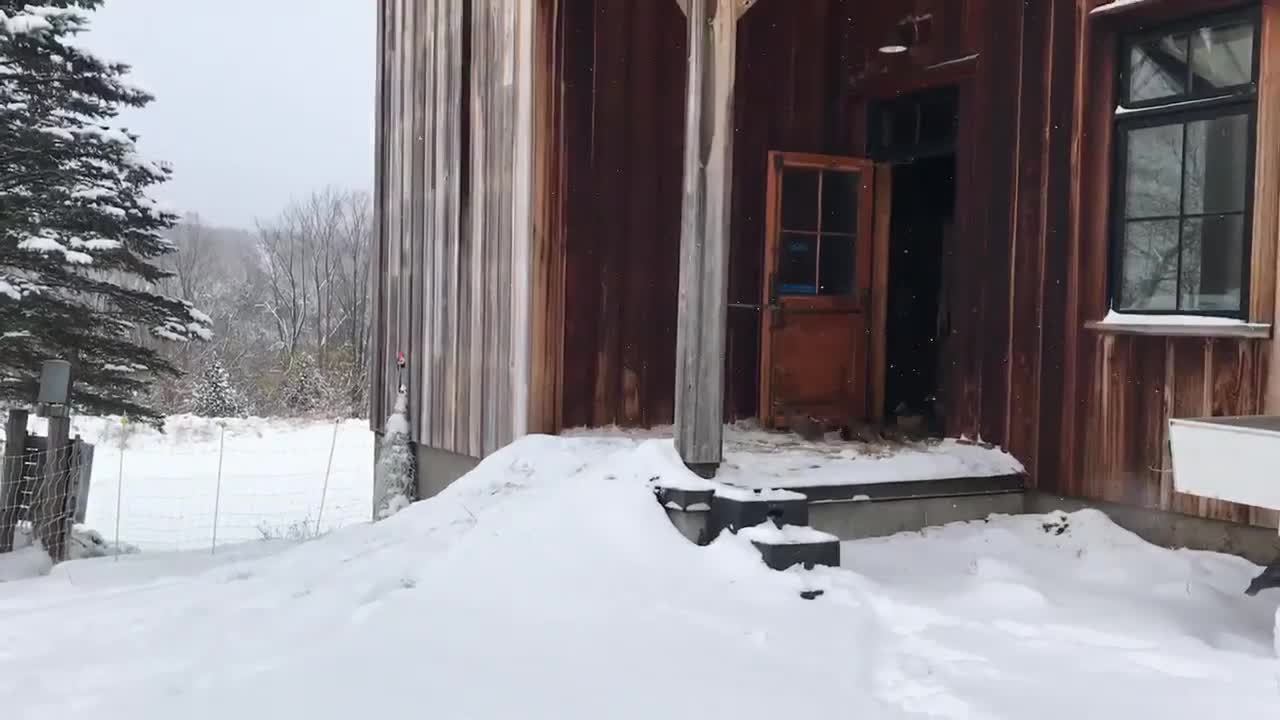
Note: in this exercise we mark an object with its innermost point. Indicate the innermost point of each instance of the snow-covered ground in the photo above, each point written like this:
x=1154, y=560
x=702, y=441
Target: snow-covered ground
x=273, y=477
x=548, y=583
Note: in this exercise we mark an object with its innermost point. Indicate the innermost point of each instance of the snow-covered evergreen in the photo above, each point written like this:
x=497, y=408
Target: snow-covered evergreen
x=304, y=389
x=80, y=241
x=214, y=395
x=395, y=471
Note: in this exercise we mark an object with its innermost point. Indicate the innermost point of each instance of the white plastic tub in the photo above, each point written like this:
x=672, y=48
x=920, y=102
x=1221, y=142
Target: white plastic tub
x=1229, y=458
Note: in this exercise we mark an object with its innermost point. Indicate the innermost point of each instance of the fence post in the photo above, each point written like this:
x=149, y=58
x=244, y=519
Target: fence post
x=217, y=498
x=124, y=438
x=15, y=448
x=324, y=491
x=49, y=505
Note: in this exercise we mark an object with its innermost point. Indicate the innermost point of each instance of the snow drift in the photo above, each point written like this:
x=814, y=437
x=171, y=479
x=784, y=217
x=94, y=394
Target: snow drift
x=548, y=583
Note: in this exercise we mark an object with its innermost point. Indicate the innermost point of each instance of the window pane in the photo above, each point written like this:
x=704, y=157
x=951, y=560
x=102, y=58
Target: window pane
x=799, y=199
x=836, y=265
x=1150, y=266
x=1221, y=57
x=1212, y=263
x=798, y=269
x=939, y=119
x=1154, y=172
x=840, y=202
x=1217, y=162
x=1158, y=68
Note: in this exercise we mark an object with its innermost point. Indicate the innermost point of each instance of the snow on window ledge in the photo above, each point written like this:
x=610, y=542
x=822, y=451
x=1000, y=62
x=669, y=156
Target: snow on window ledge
x=1117, y=6
x=1179, y=326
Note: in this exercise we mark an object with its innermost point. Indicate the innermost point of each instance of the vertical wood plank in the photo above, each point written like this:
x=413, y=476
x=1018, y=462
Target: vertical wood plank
x=880, y=289
x=376, y=358
x=1266, y=205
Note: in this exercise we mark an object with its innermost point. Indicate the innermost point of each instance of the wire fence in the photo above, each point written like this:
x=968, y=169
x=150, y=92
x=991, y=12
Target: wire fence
x=42, y=495
x=231, y=488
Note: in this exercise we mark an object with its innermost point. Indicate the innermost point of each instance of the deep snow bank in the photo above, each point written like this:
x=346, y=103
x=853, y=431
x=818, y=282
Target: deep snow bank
x=549, y=584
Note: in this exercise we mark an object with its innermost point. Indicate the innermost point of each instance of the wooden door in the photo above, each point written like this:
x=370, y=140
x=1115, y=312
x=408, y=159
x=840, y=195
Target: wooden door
x=817, y=325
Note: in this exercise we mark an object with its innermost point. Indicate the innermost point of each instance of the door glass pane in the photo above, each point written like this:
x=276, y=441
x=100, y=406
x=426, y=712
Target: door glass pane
x=840, y=202
x=1157, y=68
x=1150, y=266
x=1212, y=263
x=1221, y=57
x=799, y=199
x=836, y=265
x=798, y=266
x=1217, y=162
x=1154, y=172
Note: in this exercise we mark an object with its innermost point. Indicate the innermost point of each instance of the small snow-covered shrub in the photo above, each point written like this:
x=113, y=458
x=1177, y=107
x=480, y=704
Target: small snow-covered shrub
x=395, y=472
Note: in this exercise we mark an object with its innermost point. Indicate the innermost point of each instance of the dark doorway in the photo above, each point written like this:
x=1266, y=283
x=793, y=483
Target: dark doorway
x=923, y=217
x=917, y=134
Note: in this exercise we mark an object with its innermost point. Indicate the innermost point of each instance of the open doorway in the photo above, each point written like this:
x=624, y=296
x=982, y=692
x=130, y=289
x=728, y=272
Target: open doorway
x=916, y=135
x=923, y=218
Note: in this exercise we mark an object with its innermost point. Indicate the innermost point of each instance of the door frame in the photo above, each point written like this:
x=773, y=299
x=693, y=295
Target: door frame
x=868, y=282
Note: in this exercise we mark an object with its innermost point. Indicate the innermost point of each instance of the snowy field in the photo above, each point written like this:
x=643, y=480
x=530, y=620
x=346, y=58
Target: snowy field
x=549, y=584
x=273, y=477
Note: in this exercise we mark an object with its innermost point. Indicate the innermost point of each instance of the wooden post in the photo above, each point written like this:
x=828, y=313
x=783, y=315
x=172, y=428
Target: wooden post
x=704, y=232
x=15, y=443
x=49, y=508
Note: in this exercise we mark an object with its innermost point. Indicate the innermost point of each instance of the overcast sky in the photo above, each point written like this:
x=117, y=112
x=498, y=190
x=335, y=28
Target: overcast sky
x=257, y=101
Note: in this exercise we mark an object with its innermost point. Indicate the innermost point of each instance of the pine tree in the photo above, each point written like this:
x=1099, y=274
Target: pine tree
x=395, y=472
x=80, y=240
x=304, y=388
x=214, y=395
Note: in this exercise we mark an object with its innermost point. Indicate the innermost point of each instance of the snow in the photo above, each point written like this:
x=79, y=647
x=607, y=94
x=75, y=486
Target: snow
x=57, y=132
x=1119, y=318
x=770, y=534
x=273, y=474
x=96, y=244
x=1114, y=5
x=741, y=494
x=42, y=244
x=548, y=583
x=9, y=291
x=26, y=24
x=756, y=459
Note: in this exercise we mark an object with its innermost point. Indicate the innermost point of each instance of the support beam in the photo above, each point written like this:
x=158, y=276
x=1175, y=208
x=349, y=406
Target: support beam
x=704, y=234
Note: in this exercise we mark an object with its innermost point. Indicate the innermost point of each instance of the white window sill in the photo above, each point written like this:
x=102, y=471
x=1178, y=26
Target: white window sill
x=1179, y=326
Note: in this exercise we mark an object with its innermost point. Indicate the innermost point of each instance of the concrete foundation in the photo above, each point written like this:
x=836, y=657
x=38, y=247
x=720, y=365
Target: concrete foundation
x=854, y=520
x=438, y=469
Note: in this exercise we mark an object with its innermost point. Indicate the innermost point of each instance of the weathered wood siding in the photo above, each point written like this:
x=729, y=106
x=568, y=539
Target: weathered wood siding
x=624, y=81
x=1105, y=399
x=453, y=209
x=529, y=221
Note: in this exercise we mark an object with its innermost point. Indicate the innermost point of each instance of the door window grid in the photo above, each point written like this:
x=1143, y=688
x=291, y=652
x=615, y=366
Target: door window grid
x=807, y=243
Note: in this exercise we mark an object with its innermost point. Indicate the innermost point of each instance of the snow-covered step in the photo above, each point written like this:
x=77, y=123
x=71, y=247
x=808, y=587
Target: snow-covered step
x=786, y=546
x=734, y=508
